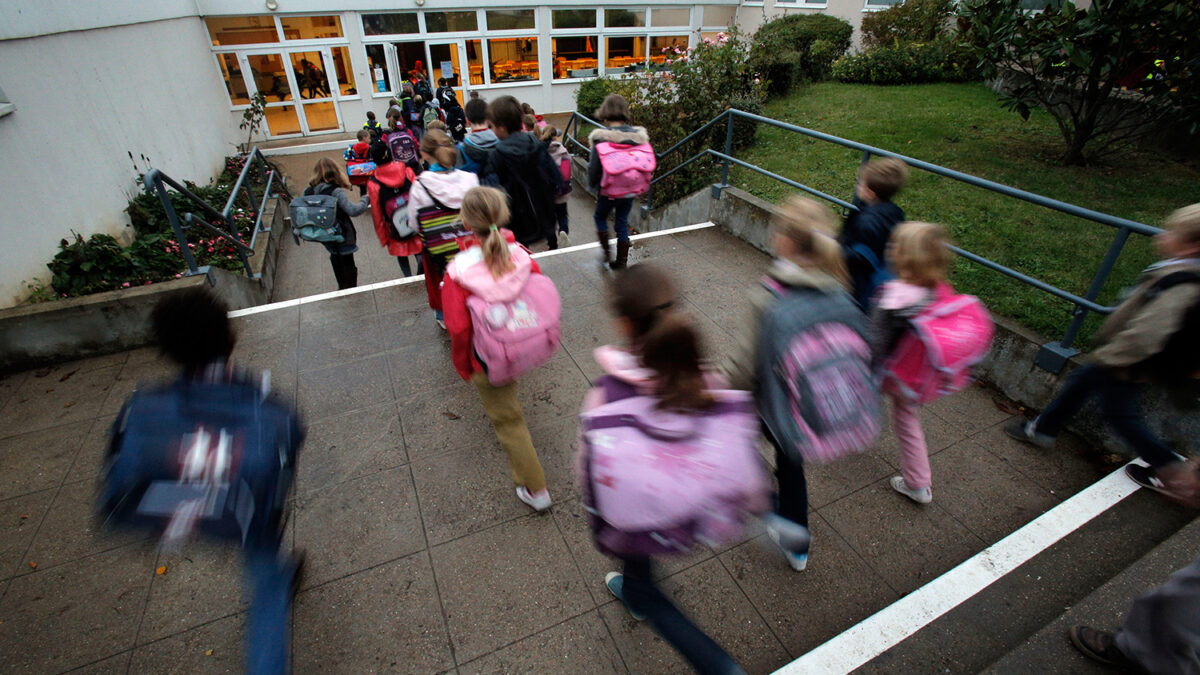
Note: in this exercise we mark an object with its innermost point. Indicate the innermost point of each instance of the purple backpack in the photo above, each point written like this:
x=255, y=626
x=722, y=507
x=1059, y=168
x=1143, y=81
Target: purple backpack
x=516, y=336
x=658, y=482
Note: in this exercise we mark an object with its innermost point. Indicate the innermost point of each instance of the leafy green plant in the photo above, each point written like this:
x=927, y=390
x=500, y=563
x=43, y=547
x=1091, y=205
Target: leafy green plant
x=1109, y=74
x=796, y=48
x=907, y=63
x=252, y=117
x=921, y=21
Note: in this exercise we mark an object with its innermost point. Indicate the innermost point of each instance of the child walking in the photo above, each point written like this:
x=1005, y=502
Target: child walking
x=865, y=234
x=1150, y=338
x=489, y=264
x=330, y=179
x=388, y=189
x=562, y=159
x=805, y=287
x=617, y=145
x=663, y=361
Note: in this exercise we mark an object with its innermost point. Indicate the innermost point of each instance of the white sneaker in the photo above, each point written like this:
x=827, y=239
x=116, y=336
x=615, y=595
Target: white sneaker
x=563, y=241
x=922, y=496
x=538, y=501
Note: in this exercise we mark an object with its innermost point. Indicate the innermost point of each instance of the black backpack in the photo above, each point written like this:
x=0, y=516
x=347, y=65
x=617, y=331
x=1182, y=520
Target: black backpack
x=1179, y=358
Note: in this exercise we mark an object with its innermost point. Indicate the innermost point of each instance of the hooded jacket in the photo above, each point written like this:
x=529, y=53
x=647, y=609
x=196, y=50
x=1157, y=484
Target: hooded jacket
x=624, y=134
x=447, y=186
x=740, y=368
x=398, y=176
x=1143, y=325
x=870, y=226
x=468, y=275
x=474, y=148
x=521, y=166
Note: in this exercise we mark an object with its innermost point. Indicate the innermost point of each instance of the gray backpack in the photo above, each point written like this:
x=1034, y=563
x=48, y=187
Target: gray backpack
x=315, y=218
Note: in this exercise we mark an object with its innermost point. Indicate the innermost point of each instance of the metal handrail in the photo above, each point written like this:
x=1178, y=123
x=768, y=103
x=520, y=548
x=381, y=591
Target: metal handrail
x=1053, y=355
x=156, y=182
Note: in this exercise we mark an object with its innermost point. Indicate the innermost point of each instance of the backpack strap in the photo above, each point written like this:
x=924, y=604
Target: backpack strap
x=1171, y=280
x=774, y=287
x=866, y=252
x=437, y=202
x=614, y=388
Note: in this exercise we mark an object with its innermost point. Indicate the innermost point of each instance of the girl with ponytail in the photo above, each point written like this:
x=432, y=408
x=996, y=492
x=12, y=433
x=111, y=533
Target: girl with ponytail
x=492, y=266
x=443, y=186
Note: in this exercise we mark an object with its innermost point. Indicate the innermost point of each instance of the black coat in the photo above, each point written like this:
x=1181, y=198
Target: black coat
x=520, y=165
x=870, y=226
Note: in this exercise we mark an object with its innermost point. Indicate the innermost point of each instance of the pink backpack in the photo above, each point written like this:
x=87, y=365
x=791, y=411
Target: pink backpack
x=658, y=482
x=627, y=168
x=947, y=339
x=516, y=336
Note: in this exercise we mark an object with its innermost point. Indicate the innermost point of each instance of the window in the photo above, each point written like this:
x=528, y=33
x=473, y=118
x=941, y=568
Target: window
x=270, y=79
x=343, y=71
x=670, y=17
x=450, y=22
x=576, y=56
x=513, y=59
x=624, y=18
x=665, y=49
x=625, y=54
x=390, y=24
x=242, y=30
x=510, y=19
x=235, y=84
x=881, y=4
x=719, y=15
x=381, y=79
x=408, y=55
x=475, y=61
x=310, y=27
x=574, y=18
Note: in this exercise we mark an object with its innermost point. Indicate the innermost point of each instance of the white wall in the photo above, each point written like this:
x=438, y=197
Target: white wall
x=94, y=109
x=23, y=18
x=751, y=16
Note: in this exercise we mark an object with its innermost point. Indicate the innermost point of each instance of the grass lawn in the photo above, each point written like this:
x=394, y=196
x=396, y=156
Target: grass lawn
x=962, y=127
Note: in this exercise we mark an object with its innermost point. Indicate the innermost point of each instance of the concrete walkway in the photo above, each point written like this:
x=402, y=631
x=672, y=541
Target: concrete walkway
x=421, y=558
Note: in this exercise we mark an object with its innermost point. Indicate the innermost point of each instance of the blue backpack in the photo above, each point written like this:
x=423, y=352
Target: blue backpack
x=880, y=275
x=213, y=457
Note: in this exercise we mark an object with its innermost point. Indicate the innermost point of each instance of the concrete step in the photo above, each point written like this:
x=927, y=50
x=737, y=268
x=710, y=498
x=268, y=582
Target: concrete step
x=1002, y=618
x=1048, y=650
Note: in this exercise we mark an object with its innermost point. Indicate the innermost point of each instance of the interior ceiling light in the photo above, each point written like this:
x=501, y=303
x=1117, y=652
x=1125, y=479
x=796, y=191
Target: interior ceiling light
x=272, y=5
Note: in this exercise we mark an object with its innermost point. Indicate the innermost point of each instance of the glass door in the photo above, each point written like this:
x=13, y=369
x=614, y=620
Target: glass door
x=269, y=77
x=316, y=82
x=300, y=89
x=446, y=60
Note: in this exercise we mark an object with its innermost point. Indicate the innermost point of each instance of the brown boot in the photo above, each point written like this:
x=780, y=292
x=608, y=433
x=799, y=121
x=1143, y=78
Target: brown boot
x=605, y=247
x=622, y=255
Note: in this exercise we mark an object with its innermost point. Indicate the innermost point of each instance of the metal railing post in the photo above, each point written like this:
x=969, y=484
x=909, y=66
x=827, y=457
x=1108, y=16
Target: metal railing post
x=154, y=182
x=1054, y=355
x=717, y=189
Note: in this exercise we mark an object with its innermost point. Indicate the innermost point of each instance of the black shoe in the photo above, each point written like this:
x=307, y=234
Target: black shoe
x=1024, y=431
x=1146, y=477
x=1098, y=645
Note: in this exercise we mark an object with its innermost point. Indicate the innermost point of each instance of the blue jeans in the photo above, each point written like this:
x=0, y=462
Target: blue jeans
x=620, y=221
x=268, y=579
x=564, y=219
x=641, y=595
x=1118, y=400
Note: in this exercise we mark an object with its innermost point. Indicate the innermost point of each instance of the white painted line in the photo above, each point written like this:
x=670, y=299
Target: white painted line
x=284, y=304
x=305, y=149
x=903, y=618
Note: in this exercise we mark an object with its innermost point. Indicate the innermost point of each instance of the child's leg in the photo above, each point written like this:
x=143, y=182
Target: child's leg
x=404, y=268
x=504, y=410
x=793, y=488
x=1082, y=384
x=433, y=282
x=914, y=455
x=560, y=210
x=621, y=219
x=1119, y=406
x=604, y=206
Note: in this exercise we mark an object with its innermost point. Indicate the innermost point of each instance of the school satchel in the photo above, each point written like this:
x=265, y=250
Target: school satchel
x=315, y=217
x=211, y=458
x=819, y=398
x=658, y=482
x=394, y=202
x=513, y=336
x=440, y=228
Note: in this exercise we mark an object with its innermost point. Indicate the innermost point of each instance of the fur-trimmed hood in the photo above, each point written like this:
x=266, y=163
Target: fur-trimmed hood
x=623, y=134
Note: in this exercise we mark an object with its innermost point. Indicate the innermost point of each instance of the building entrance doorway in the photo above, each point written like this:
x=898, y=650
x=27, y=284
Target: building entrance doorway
x=300, y=85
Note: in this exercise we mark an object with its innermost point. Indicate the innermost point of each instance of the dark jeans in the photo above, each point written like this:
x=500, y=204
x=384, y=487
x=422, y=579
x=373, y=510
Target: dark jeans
x=268, y=580
x=560, y=211
x=406, y=269
x=644, y=597
x=605, y=205
x=344, y=270
x=792, y=498
x=1118, y=407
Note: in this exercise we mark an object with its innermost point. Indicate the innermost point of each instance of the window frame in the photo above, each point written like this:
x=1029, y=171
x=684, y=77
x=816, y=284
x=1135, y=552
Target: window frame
x=869, y=7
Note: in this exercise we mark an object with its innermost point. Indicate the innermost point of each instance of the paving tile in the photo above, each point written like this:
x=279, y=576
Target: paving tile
x=350, y=446
x=804, y=609
x=410, y=329
x=350, y=339
x=970, y=410
x=342, y=388
x=89, y=461
x=39, y=460
x=905, y=543
x=738, y=261
x=465, y=491
x=57, y=396
x=708, y=596
x=540, y=586
x=408, y=296
x=74, y=614
x=212, y=648
x=357, y=524
x=578, y=645
x=71, y=529
x=985, y=493
x=9, y=384
x=939, y=435
x=557, y=443
x=277, y=357
x=554, y=390
x=336, y=310
x=274, y=324
x=577, y=286
x=584, y=328
x=830, y=482
x=143, y=366
x=20, y=518
x=113, y=665
x=1067, y=468
x=385, y=619
x=201, y=584
x=423, y=369
x=452, y=420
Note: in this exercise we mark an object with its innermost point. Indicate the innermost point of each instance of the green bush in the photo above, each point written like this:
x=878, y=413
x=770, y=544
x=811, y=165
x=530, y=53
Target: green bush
x=910, y=63
x=591, y=94
x=921, y=21
x=798, y=47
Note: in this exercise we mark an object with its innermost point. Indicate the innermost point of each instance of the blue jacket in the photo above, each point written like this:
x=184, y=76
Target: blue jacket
x=871, y=227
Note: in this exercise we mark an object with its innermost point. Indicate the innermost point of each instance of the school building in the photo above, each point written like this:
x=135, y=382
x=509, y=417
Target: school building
x=92, y=94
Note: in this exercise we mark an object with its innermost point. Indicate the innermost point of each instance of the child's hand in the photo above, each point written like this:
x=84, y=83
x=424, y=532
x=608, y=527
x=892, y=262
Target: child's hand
x=1182, y=481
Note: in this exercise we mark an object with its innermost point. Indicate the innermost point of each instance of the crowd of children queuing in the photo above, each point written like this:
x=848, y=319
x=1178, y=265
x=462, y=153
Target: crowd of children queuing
x=837, y=326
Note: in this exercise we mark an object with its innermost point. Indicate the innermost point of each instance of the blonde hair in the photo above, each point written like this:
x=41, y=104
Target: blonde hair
x=436, y=124
x=484, y=211
x=437, y=144
x=1186, y=223
x=884, y=176
x=809, y=226
x=327, y=171
x=920, y=253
